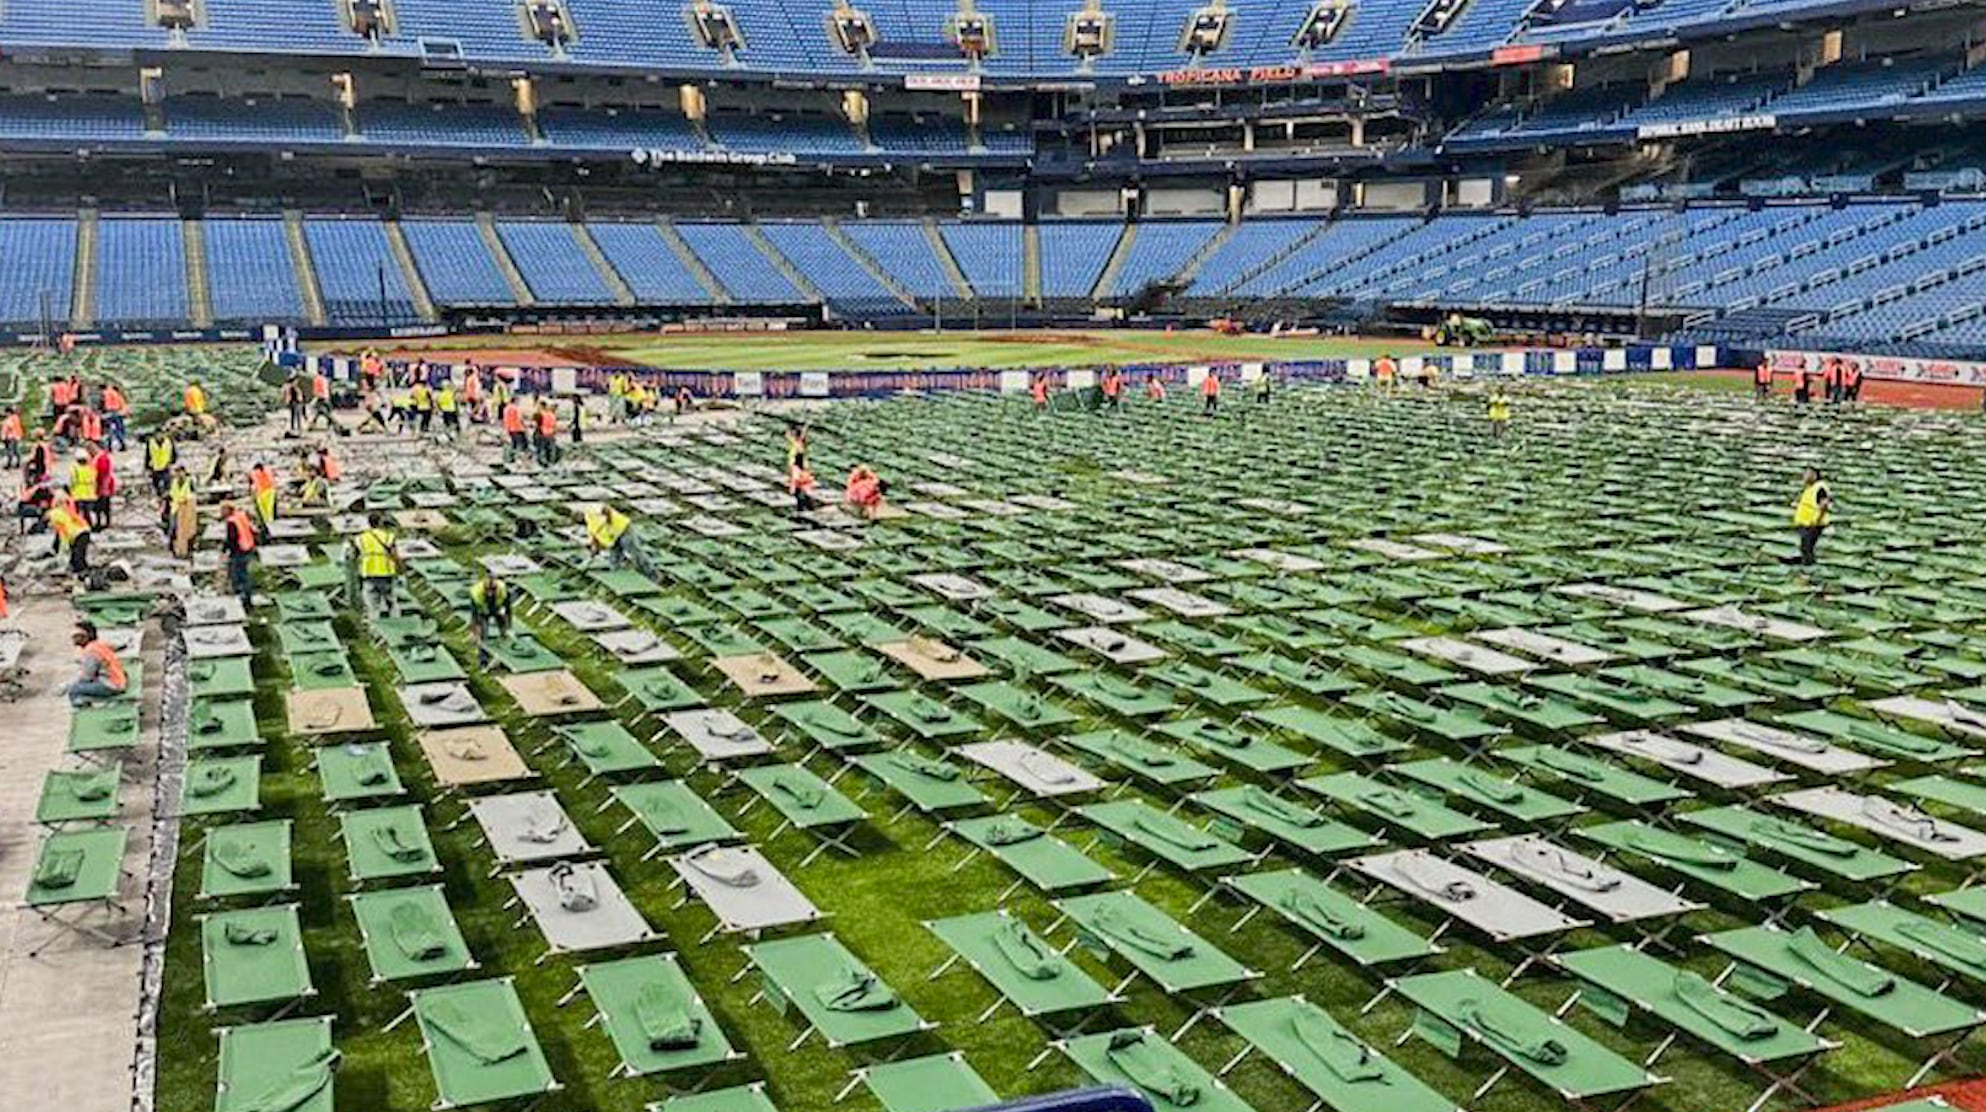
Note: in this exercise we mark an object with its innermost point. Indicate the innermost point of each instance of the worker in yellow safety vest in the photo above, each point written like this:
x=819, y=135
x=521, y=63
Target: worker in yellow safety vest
x=489, y=613
x=377, y=554
x=72, y=533
x=1499, y=412
x=1810, y=514
x=609, y=531
x=451, y=411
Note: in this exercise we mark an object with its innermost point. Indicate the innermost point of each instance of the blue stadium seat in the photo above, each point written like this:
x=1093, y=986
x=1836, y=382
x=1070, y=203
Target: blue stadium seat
x=251, y=278
x=989, y=253
x=41, y=269
x=357, y=275
x=747, y=275
x=455, y=263
x=141, y=273
x=558, y=270
x=905, y=254
x=645, y=261
x=1158, y=252
x=1073, y=255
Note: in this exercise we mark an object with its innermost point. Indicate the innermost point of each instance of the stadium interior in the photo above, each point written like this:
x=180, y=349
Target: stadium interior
x=1584, y=166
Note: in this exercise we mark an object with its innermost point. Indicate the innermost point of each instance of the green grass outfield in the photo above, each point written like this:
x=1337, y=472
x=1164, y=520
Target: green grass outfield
x=856, y=351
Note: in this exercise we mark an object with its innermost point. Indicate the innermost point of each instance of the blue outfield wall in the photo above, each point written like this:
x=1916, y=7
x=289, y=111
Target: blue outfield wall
x=1541, y=362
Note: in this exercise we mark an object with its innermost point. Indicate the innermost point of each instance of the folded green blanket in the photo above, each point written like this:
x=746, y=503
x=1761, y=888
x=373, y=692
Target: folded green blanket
x=1574, y=766
x=394, y=844
x=796, y=791
x=832, y=725
x=489, y=1038
x=415, y=932
x=1681, y=851
x=1492, y=788
x=1857, y=977
x=1334, y=1047
x=59, y=868
x=666, y=1019
x=1511, y=1035
x=1895, y=741
x=241, y=934
x=375, y=768
x=296, y=1088
x=591, y=745
x=1792, y=833
x=1952, y=943
x=664, y=817
x=1117, y=688
x=1214, y=734
x=1148, y=1070
x=209, y=780
x=1180, y=837
x=927, y=710
x=90, y=787
x=923, y=766
x=854, y=990
x=1280, y=809
x=1142, y=756
x=1025, y=952
x=209, y=724
x=1388, y=802
x=1002, y=832
x=240, y=859
x=1311, y=911
x=1723, y=1010
x=1121, y=929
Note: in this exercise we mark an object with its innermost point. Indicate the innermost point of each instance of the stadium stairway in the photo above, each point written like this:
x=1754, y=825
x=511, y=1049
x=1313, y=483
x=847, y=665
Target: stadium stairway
x=519, y=288
x=869, y=263
x=83, y=295
x=784, y=265
x=692, y=263
x=306, y=270
x=1273, y=260
x=199, y=300
x=961, y=288
x=1106, y=279
x=1190, y=271
x=403, y=256
x=615, y=283
x=1031, y=263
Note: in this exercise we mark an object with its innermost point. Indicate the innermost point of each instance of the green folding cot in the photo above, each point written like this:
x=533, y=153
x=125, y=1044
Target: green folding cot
x=1461, y=1005
x=807, y=803
x=1330, y=917
x=425, y=662
x=1954, y=949
x=410, y=933
x=653, y=1016
x=938, y=1083
x=321, y=671
x=306, y=637
x=1833, y=856
x=1239, y=747
x=356, y=771
x=855, y=672
x=221, y=785
x=656, y=689
x=479, y=1044
x=743, y=1098
x=254, y=956
x=1727, y=870
x=1142, y=1061
x=287, y=1065
x=1161, y=765
x=1770, y=960
x=1038, y=857
x=221, y=724
x=1416, y=814
x=1780, y=683
x=1856, y=670
x=387, y=843
x=862, y=627
x=925, y=717
x=834, y=994
x=1327, y=1059
x=828, y=726
x=1016, y=706
x=1476, y=785
x=1600, y=777
x=103, y=727
x=230, y=677
x=1455, y=726
x=1163, y=836
x=1019, y=615
x=626, y=583
x=1965, y=795
x=1548, y=713
x=1878, y=737
x=799, y=634
x=1022, y=658
x=75, y=870
x=1247, y=807
x=304, y=606
x=1303, y=676
x=80, y=795
x=930, y=785
x=1344, y=735
x=673, y=814
x=522, y=653
x=1116, y=694
x=1628, y=701
x=246, y=859
x=605, y=748
x=1615, y=980
x=1040, y=981
x=1152, y=943
x=1206, y=685
x=1398, y=667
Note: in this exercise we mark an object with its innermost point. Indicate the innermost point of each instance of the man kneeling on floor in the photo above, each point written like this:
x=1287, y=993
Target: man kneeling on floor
x=99, y=674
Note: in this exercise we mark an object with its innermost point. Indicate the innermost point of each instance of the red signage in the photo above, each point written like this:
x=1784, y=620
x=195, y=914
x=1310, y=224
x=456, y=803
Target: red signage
x=1270, y=75
x=1516, y=55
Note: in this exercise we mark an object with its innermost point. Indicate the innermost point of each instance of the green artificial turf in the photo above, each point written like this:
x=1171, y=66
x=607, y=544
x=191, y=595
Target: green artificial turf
x=876, y=902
